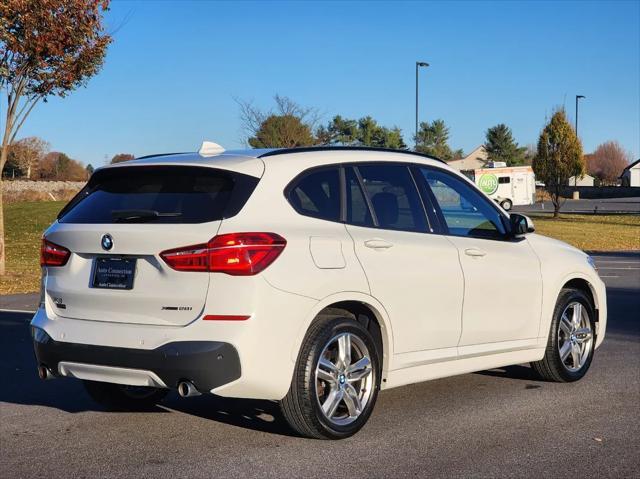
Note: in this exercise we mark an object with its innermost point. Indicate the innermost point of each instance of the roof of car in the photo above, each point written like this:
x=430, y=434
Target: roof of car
x=284, y=151
x=244, y=161
x=265, y=152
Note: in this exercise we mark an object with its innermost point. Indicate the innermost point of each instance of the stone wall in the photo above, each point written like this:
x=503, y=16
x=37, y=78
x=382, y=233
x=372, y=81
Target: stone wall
x=20, y=190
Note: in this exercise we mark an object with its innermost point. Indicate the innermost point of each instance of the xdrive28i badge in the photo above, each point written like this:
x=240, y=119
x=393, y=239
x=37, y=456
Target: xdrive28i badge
x=106, y=242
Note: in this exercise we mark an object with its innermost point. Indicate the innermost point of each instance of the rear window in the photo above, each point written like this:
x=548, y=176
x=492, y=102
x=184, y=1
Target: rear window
x=159, y=194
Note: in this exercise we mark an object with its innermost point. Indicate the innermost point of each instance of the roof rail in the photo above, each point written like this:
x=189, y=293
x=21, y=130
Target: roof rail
x=303, y=149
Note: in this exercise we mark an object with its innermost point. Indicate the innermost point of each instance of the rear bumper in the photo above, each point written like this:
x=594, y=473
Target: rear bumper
x=207, y=364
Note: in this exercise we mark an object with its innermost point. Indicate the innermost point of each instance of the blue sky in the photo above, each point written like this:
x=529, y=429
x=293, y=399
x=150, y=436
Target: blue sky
x=174, y=68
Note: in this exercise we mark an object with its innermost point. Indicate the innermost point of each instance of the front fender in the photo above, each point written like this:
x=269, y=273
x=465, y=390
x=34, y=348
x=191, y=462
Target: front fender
x=552, y=291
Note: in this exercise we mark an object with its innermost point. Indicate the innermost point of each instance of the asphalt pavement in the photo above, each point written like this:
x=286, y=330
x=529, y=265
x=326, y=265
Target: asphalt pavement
x=498, y=423
x=604, y=206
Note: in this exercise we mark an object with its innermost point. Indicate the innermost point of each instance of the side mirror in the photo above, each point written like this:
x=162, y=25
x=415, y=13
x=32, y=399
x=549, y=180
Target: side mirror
x=520, y=225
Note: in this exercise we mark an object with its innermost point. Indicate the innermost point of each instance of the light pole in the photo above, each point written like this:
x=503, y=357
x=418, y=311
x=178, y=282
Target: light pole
x=578, y=97
x=418, y=65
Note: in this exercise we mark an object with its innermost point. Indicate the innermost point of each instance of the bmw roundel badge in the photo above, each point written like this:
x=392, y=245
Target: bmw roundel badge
x=106, y=242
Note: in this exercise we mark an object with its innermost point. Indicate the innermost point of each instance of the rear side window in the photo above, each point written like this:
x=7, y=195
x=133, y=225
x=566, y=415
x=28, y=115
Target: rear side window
x=159, y=194
x=317, y=194
x=394, y=197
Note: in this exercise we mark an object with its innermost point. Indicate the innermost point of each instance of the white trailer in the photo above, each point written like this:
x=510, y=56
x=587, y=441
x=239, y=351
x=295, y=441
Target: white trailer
x=508, y=186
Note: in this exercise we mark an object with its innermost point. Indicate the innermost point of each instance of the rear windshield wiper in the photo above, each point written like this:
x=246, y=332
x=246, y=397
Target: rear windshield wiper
x=136, y=215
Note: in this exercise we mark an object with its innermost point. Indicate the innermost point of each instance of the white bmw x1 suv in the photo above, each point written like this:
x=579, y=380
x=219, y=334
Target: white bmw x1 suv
x=314, y=277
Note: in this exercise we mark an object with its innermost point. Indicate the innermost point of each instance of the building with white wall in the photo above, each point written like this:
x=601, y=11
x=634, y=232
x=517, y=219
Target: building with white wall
x=585, y=180
x=631, y=174
x=478, y=158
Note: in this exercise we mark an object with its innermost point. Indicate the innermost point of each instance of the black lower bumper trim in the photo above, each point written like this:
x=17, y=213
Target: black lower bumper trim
x=207, y=364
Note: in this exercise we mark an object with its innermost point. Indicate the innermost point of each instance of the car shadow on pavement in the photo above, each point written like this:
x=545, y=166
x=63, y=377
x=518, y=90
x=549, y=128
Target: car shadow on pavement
x=19, y=384
x=512, y=372
x=252, y=414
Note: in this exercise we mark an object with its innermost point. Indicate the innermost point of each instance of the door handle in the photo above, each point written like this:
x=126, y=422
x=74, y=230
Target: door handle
x=377, y=243
x=475, y=252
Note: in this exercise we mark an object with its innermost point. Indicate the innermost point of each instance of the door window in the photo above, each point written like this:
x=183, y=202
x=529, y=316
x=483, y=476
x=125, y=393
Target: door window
x=393, y=197
x=464, y=210
x=357, y=208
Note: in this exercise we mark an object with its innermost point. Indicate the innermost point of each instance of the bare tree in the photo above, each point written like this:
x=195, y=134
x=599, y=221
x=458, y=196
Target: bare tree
x=608, y=162
x=26, y=153
x=252, y=117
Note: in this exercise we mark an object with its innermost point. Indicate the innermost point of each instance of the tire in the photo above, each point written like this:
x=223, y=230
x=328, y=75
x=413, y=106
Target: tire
x=560, y=364
x=124, y=398
x=333, y=383
x=507, y=205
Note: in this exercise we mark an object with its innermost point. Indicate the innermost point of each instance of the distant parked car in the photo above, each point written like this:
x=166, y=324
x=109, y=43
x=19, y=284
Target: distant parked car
x=314, y=277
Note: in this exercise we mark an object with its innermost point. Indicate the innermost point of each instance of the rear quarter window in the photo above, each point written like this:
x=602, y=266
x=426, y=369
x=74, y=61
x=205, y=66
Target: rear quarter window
x=159, y=194
x=317, y=193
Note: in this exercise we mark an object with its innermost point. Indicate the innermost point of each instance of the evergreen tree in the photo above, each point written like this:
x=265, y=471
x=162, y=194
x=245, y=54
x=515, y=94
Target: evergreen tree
x=433, y=140
x=501, y=146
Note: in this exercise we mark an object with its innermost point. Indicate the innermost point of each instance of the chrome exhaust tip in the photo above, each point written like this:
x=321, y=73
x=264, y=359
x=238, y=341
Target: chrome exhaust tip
x=187, y=389
x=44, y=373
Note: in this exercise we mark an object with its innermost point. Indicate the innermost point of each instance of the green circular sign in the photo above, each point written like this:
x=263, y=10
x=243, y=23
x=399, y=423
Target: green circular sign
x=488, y=183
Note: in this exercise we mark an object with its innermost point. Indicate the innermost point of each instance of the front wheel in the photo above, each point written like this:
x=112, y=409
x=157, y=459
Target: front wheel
x=336, y=381
x=121, y=397
x=571, y=341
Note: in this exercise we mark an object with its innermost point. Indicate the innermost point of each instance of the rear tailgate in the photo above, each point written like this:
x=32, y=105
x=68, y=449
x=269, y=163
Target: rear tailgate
x=144, y=211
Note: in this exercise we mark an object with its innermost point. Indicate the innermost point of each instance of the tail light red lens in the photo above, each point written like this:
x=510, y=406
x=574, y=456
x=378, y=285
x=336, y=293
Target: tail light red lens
x=52, y=254
x=237, y=254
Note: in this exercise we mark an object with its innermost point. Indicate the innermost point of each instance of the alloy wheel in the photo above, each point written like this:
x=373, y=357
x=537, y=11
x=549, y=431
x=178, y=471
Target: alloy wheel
x=344, y=379
x=575, y=336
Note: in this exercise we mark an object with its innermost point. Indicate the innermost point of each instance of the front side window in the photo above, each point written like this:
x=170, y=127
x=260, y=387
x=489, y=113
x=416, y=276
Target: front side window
x=394, y=197
x=464, y=210
x=317, y=194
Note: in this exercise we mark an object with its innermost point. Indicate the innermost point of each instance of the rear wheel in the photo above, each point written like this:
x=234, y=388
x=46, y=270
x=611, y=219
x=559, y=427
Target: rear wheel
x=119, y=396
x=506, y=205
x=571, y=341
x=336, y=380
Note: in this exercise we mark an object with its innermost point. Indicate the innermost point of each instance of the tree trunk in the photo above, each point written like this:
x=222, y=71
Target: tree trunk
x=3, y=158
x=555, y=196
x=2, y=255
x=4, y=154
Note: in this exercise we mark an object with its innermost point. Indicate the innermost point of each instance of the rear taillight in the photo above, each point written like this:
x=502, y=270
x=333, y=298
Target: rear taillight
x=237, y=254
x=52, y=254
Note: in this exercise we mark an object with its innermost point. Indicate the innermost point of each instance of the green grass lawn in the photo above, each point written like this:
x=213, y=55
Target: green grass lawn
x=592, y=232
x=26, y=221
x=24, y=224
